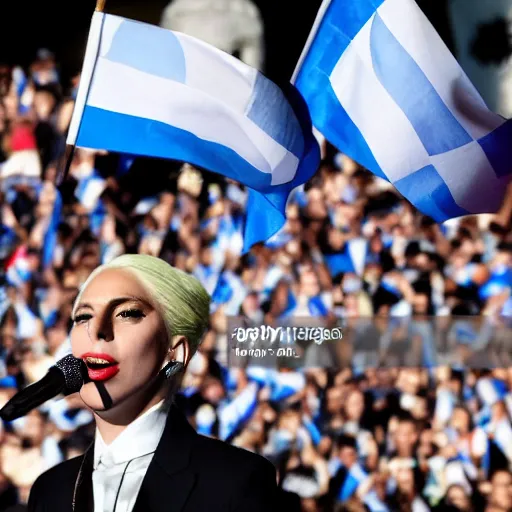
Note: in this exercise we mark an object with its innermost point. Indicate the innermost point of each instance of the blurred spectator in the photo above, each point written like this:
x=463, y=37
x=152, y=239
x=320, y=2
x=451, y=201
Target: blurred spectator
x=409, y=411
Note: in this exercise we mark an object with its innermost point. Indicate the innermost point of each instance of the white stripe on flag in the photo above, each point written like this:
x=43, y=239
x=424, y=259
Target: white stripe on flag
x=438, y=64
x=91, y=55
x=93, y=190
x=127, y=93
x=357, y=249
x=381, y=121
x=233, y=87
x=503, y=438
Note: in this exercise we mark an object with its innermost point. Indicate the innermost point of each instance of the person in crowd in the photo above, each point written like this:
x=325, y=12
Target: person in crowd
x=409, y=411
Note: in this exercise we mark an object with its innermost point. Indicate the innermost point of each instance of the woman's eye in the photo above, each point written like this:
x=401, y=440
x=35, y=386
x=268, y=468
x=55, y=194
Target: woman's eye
x=132, y=313
x=80, y=319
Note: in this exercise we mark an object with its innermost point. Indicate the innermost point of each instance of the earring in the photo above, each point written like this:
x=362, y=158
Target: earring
x=171, y=369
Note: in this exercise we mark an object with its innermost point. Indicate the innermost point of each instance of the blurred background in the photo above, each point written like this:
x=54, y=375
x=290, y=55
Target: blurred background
x=410, y=412
x=63, y=26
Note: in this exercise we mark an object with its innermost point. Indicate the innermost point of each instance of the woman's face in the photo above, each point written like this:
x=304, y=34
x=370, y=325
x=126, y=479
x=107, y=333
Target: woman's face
x=115, y=321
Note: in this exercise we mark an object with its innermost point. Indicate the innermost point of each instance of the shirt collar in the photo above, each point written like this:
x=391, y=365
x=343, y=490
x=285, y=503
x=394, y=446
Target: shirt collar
x=141, y=437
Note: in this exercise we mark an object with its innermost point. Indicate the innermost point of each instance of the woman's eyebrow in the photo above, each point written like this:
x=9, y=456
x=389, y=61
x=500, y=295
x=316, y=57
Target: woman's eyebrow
x=116, y=302
x=132, y=298
x=83, y=305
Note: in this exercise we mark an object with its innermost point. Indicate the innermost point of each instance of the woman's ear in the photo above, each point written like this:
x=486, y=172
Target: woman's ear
x=180, y=349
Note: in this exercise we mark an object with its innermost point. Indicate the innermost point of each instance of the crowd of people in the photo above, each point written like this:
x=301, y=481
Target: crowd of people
x=411, y=411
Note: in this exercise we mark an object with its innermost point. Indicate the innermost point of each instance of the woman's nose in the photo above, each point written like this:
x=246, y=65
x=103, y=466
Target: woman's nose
x=101, y=336
x=103, y=330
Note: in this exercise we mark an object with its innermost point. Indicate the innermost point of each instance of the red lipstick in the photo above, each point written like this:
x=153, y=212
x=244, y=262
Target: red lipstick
x=100, y=367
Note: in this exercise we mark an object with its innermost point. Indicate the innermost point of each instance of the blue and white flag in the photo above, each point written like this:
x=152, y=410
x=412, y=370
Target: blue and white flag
x=50, y=238
x=149, y=91
x=312, y=430
x=490, y=391
x=503, y=438
x=355, y=477
x=4, y=301
x=351, y=259
x=282, y=385
x=499, y=282
x=382, y=87
x=234, y=413
x=230, y=291
x=27, y=321
x=90, y=189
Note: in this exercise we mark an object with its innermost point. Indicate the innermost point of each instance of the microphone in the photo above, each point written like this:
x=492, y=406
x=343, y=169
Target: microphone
x=66, y=376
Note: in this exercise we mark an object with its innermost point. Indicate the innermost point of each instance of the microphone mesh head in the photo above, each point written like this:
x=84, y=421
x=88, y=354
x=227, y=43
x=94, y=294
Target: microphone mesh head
x=73, y=370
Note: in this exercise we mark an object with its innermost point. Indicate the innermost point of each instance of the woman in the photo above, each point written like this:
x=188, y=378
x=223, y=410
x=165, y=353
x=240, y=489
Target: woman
x=134, y=320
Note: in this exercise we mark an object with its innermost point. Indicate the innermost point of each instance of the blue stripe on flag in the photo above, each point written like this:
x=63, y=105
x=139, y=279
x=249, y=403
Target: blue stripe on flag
x=338, y=33
x=223, y=291
x=261, y=221
x=274, y=115
x=486, y=459
x=4, y=302
x=327, y=113
x=352, y=258
x=266, y=211
x=315, y=434
x=238, y=411
x=332, y=119
x=285, y=384
x=348, y=488
x=50, y=239
x=124, y=133
x=317, y=307
x=496, y=146
x=339, y=263
x=435, y=125
x=9, y=381
x=258, y=219
x=427, y=191
x=133, y=42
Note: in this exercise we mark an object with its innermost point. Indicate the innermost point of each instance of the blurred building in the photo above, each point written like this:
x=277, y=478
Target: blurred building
x=234, y=26
x=483, y=42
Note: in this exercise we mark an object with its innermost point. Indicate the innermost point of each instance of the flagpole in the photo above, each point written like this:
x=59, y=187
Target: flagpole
x=316, y=25
x=70, y=149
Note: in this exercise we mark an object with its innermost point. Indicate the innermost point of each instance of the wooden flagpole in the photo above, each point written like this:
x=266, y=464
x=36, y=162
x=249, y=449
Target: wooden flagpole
x=70, y=149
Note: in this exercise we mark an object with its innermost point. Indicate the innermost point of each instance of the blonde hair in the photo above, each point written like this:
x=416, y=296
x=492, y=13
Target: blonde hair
x=180, y=298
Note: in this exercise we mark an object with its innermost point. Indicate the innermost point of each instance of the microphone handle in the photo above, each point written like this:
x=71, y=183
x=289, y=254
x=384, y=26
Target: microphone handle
x=34, y=395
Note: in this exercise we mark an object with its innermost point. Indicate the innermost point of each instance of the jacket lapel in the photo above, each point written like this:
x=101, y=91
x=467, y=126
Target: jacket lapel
x=83, y=493
x=169, y=480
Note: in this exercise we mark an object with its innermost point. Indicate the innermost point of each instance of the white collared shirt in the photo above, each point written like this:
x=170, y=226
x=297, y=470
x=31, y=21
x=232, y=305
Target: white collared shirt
x=119, y=468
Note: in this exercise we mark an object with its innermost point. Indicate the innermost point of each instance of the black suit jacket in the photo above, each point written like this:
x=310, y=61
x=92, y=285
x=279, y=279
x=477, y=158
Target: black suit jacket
x=188, y=473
